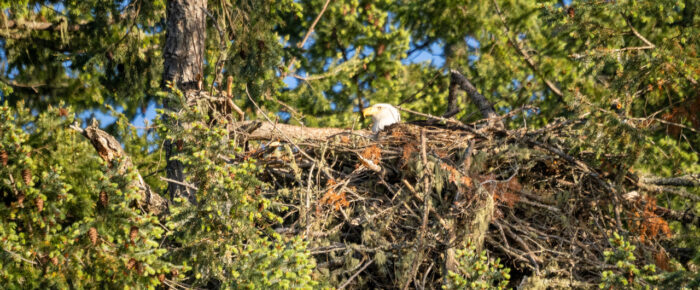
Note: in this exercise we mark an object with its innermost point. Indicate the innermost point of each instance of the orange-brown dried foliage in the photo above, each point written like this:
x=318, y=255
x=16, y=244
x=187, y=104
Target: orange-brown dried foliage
x=504, y=192
x=408, y=150
x=456, y=177
x=372, y=153
x=647, y=224
x=333, y=198
x=683, y=112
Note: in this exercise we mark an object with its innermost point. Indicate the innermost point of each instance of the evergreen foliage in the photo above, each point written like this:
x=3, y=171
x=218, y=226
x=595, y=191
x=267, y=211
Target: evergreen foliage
x=626, y=274
x=68, y=219
x=226, y=239
x=477, y=271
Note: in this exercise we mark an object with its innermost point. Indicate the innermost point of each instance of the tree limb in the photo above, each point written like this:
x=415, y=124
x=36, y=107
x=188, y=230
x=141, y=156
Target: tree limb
x=686, y=181
x=110, y=149
x=276, y=131
x=479, y=100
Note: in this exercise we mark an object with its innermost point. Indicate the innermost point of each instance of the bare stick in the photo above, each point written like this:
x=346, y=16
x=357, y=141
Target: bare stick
x=346, y=283
x=525, y=55
x=180, y=183
x=306, y=37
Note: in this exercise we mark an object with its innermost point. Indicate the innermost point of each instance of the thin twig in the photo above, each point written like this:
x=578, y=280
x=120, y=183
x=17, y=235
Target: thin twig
x=346, y=283
x=524, y=53
x=306, y=37
x=638, y=35
x=178, y=182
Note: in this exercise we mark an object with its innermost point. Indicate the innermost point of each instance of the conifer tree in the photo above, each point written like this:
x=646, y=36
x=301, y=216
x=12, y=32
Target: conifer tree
x=185, y=202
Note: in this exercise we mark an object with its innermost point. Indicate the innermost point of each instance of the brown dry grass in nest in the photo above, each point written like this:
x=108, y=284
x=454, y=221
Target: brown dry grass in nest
x=372, y=153
x=331, y=197
x=408, y=150
x=504, y=192
x=456, y=177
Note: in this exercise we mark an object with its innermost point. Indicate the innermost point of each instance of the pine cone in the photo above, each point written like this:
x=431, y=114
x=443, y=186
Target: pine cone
x=130, y=265
x=134, y=233
x=92, y=234
x=4, y=157
x=104, y=198
x=39, y=203
x=161, y=277
x=27, y=176
x=20, y=200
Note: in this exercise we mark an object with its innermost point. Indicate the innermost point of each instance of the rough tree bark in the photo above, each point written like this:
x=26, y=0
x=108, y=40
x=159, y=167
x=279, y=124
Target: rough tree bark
x=183, y=64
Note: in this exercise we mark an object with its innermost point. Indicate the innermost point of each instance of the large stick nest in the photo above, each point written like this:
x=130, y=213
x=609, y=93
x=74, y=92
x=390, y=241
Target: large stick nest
x=388, y=211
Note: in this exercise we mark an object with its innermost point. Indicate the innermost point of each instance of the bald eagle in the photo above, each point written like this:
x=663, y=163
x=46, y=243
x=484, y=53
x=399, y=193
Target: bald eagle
x=382, y=115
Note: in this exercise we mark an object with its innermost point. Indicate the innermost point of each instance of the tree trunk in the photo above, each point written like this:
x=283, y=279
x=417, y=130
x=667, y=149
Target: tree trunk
x=183, y=66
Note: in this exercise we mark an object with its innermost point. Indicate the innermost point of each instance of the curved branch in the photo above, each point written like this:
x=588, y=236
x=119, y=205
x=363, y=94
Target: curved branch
x=110, y=149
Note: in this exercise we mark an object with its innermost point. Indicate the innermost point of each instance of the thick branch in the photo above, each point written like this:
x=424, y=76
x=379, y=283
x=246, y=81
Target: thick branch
x=270, y=131
x=479, y=100
x=39, y=26
x=687, y=181
x=452, y=108
x=14, y=29
x=109, y=149
x=684, y=217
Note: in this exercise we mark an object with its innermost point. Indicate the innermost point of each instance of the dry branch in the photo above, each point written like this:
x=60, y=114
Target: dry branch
x=110, y=151
x=685, y=181
x=479, y=100
x=272, y=131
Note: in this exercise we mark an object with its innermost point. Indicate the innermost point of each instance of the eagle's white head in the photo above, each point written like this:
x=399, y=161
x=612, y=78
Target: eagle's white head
x=382, y=115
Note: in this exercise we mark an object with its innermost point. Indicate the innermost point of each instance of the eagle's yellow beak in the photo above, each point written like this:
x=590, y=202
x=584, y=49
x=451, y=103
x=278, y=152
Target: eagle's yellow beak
x=369, y=111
